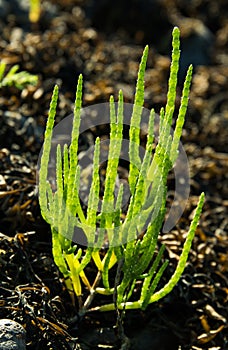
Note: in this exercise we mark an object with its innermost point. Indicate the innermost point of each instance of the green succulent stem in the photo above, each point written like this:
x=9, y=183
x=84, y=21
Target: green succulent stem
x=131, y=233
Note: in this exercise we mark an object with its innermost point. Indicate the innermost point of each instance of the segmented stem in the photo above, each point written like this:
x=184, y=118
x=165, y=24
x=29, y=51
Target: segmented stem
x=132, y=235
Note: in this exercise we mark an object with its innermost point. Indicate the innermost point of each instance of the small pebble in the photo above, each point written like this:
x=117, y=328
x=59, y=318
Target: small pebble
x=12, y=335
x=3, y=185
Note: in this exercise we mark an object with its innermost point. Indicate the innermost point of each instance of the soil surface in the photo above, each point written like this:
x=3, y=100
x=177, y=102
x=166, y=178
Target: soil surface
x=105, y=42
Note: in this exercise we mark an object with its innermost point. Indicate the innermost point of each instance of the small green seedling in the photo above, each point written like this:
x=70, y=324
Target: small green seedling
x=133, y=258
x=34, y=11
x=15, y=78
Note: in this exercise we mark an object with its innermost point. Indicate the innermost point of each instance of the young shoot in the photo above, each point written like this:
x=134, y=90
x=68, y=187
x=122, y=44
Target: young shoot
x=15, y=78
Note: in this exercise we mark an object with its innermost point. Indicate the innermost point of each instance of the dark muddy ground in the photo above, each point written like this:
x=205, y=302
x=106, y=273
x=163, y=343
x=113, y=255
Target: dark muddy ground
x=105, y=42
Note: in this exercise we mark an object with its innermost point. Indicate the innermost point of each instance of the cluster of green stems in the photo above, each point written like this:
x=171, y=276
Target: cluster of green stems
x=132, y=258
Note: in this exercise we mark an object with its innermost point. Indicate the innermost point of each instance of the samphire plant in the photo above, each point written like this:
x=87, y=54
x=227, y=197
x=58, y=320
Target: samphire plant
x=15, y=78
x=133, y=258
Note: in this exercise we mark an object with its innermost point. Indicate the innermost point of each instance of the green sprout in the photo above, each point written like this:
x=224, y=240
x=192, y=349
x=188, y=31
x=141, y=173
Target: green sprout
x=15, y=78
x=134, y=258
x=34, y=11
